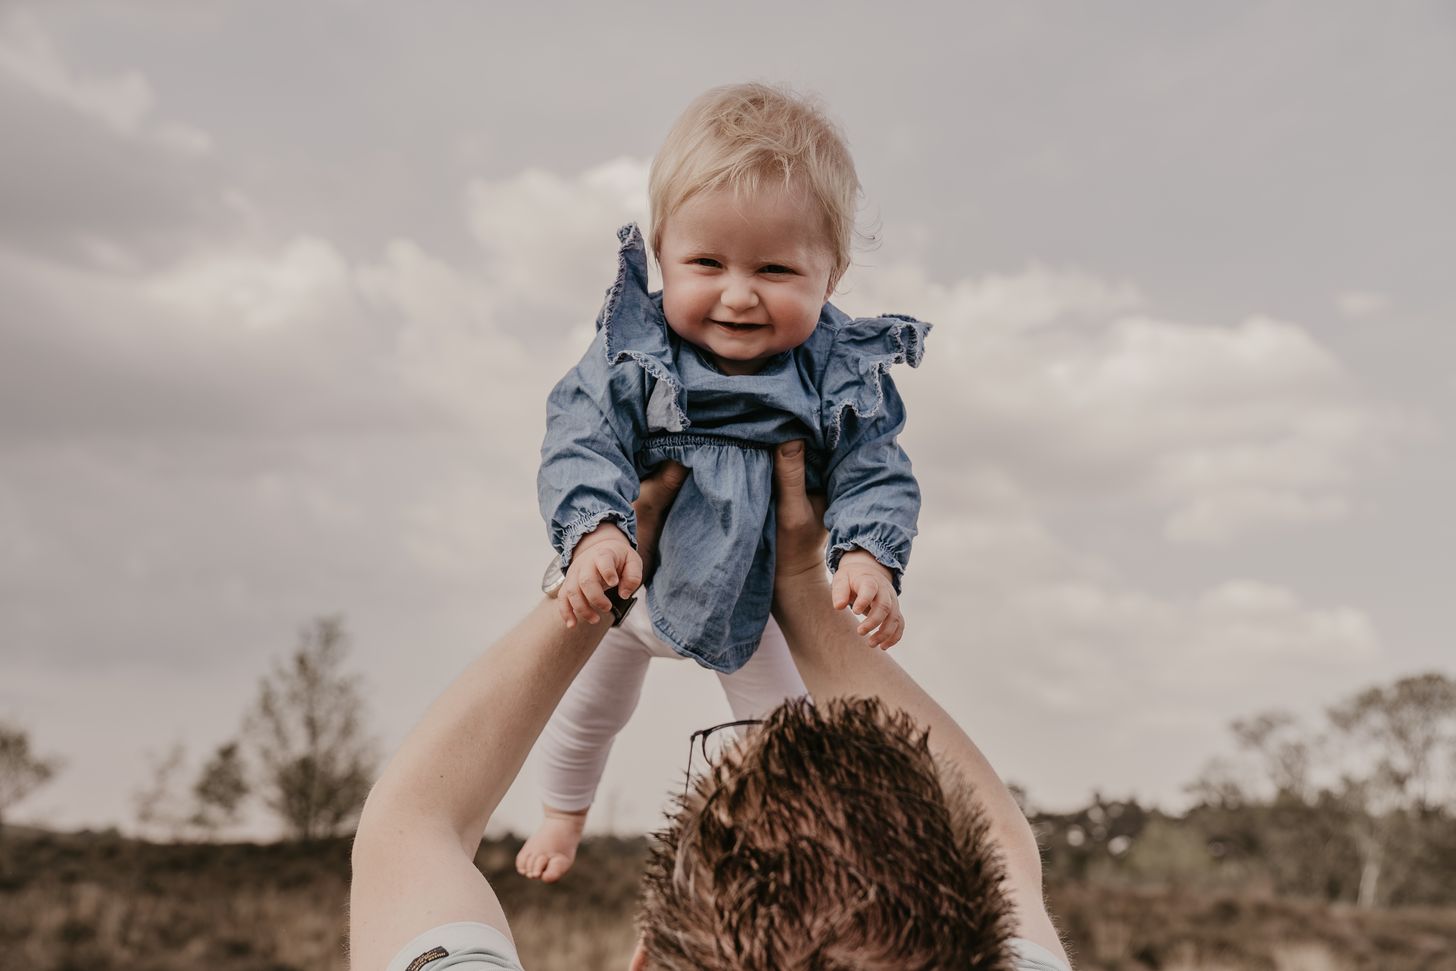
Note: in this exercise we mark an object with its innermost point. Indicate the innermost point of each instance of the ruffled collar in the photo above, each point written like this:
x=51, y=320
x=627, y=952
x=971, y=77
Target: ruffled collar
x=634, y=329
x=851, y=355
x=630, y=316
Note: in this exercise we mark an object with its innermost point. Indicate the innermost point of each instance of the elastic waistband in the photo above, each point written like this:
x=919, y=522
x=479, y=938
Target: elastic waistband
x=699, y=440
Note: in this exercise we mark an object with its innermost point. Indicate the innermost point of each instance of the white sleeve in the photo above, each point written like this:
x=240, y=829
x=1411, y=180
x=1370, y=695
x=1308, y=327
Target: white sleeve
x=1033, y=957
x=479, y=947
x=464, y=946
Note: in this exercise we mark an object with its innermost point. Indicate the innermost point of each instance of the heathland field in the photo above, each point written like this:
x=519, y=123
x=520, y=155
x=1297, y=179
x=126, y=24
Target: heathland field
x=99, y=902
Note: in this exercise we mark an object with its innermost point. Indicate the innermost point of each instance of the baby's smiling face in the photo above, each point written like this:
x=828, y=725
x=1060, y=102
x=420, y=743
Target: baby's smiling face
x=745, y=276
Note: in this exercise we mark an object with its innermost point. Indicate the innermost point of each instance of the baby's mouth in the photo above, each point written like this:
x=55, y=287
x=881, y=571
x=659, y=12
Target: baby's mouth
x=732, y=326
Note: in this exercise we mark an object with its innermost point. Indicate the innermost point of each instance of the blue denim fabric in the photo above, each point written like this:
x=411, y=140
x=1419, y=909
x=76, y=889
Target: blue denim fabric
x=642, y=395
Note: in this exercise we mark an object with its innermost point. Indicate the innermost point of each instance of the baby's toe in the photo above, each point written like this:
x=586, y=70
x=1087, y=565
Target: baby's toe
x=555, y=869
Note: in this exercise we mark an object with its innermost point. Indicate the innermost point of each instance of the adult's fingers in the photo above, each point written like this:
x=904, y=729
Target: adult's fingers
x=660, y=488
x=800, y=539
x=656, y=496
x=789, y=483
x=802, y=508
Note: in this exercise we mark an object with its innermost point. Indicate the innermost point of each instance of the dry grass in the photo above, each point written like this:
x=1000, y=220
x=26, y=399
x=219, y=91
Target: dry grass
x=66, y=906
x=1122, y=928
x=99, y=903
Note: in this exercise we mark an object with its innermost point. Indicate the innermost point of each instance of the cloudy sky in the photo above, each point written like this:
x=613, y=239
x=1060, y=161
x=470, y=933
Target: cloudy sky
x=283, y=287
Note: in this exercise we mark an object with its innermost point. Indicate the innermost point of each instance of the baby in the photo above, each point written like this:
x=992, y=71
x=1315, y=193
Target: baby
x=752, y=211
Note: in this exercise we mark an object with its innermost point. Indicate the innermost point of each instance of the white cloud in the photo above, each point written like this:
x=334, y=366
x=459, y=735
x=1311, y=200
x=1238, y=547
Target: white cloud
x=484, y=338
x=1070, y=615
x=1066, y=666
x=449, y=344
x=183, y=139
x=1053, y=377
x=1004, y=302
x=1359, y=304
x=123, y=103
x=305, y=277
x=1041, y=387
x=547, y=241
x=1232, y=512
x=490, y=338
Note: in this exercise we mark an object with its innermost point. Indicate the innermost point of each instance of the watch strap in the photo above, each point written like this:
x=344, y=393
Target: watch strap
x=555, y=577
x=621, y=606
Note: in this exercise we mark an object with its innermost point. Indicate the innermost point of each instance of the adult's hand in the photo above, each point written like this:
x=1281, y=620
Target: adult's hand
x=799, y=546
x=659, y=490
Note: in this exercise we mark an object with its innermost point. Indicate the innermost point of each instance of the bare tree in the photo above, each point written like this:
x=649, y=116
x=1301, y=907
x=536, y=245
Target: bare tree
x=1357, y=807
x=1284, y=748
x=1371, y=821
x=1393, y=737
x=22, y=771
x=220, y=789
x=1406, y=728
x=159, y=811
x=305, y=732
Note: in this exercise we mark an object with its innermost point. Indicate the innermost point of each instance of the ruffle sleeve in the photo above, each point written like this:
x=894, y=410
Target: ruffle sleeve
x=634, y=329
x=865, y=348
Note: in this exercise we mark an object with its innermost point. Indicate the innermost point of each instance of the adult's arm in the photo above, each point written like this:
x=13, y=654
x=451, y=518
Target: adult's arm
x=414, y=853
x=834, y=662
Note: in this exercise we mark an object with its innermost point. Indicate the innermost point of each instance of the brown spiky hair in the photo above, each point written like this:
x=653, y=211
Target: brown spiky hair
x=828, y=839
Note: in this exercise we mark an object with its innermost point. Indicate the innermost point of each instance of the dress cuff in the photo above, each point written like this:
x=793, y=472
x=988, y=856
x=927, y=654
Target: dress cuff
x=570, y=534
x=888, y=554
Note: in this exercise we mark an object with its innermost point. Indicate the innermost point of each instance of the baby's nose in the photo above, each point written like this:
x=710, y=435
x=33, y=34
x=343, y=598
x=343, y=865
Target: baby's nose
x=739, y=295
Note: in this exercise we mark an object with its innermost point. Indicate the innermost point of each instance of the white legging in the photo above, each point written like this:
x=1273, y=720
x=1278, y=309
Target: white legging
x=577, y=739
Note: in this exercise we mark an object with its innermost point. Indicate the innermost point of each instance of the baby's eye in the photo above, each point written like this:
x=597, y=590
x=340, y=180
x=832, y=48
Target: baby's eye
x=776, y=268
x=704, y=261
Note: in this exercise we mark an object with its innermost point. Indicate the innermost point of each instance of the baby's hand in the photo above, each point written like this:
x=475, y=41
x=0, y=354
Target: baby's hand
x=604, y=558
x=866, y=587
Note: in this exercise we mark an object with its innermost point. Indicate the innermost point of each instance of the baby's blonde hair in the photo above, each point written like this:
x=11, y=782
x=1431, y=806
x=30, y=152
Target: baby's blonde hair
x=742, y=134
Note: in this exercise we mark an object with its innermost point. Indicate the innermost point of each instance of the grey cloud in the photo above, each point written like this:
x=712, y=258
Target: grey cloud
x=219, y=419
x=87, y=355
x=70, y=182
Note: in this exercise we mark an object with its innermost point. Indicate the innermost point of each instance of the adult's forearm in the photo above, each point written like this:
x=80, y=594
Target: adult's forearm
x=464, y=754
x=836, y=663
x=413, y=859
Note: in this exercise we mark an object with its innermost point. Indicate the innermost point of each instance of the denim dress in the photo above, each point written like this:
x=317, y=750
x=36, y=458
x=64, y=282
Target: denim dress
x=642, y=395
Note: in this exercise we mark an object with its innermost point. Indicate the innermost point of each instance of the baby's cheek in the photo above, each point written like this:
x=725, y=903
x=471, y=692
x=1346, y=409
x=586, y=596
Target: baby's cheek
x=677, y=307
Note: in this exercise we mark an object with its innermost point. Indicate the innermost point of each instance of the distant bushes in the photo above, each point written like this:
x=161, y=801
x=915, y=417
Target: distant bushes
x=1361, y=809
x=99, y=902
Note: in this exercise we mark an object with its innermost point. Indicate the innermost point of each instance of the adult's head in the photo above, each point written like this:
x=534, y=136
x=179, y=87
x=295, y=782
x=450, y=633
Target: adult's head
x=828, y=839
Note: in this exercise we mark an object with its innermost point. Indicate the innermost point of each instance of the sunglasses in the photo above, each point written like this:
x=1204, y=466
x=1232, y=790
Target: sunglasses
x=699, y=739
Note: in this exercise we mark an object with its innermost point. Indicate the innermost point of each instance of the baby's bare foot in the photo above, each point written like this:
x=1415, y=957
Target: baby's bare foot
x=551, y=850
